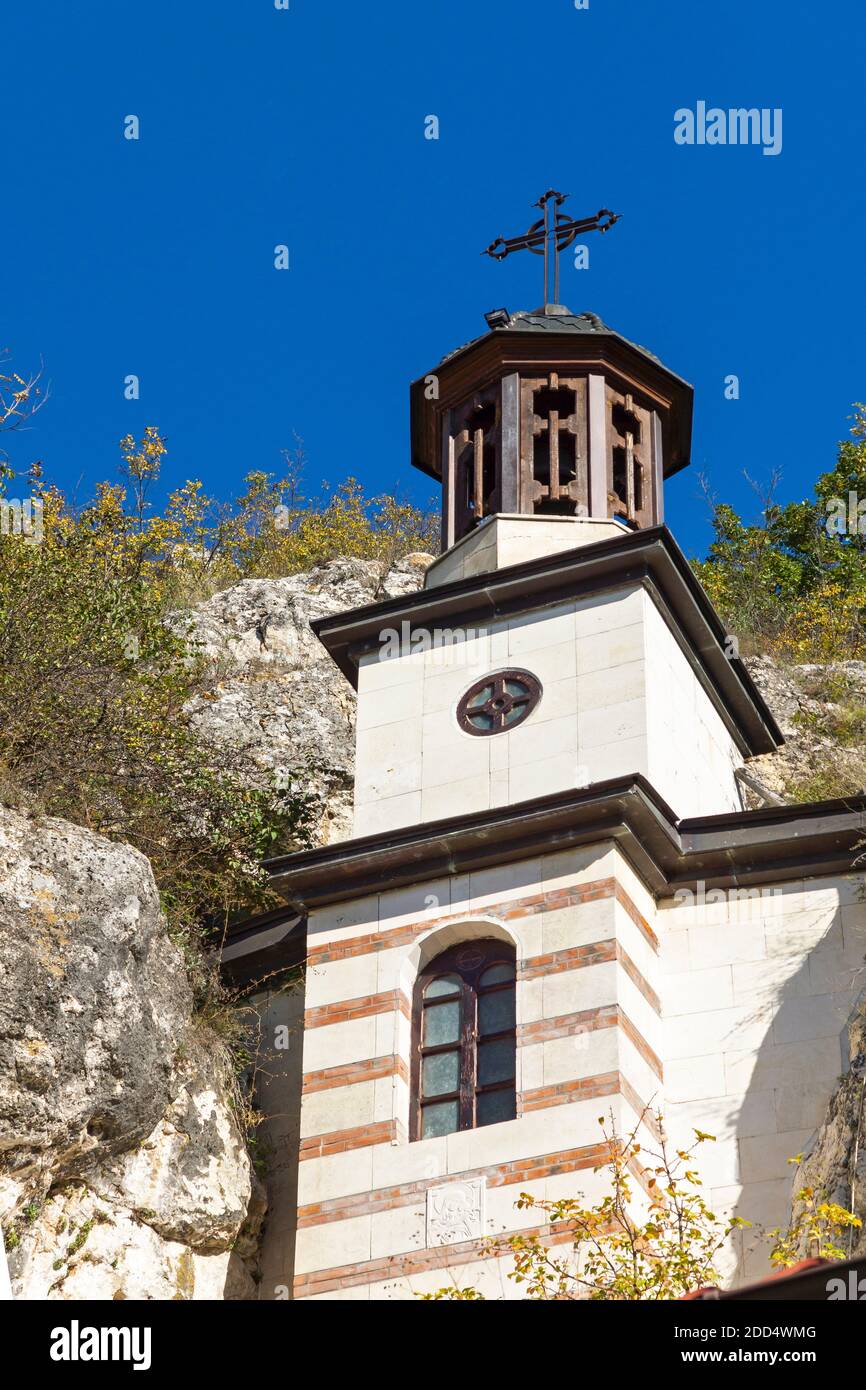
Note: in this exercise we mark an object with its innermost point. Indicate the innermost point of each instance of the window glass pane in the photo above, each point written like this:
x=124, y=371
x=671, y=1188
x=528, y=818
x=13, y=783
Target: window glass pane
x=482, y=697
x=494, y=1106
x=442, y=1024
x=441, y=1073
x=497, y=974
x=440, y=1119
x=496, y=1011
x=445, y=984
x=480, y=720
x=495, y=1061
x=516, y=712
x=516, y=688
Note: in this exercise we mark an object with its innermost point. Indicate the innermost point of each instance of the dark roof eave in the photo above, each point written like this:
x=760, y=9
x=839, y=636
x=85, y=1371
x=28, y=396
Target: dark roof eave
x=683, y=390
x=258, y=951
x=745, y=848
x=518, y=328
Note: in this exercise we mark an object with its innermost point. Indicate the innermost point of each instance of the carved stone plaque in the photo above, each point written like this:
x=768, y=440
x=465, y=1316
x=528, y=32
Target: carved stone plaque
x=455, y=1212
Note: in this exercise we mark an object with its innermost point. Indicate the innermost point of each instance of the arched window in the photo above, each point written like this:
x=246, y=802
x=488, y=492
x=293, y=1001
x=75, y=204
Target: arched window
x=463, y=1040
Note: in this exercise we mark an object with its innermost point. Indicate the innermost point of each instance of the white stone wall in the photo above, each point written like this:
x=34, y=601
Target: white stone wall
x=361, y=1230
x=756, y=993
x=619, y=697
x=725, y=1012
x=691, y=757
x=506, y=539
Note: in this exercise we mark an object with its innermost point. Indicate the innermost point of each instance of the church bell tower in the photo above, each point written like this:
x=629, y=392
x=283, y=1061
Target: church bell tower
x=483, y=956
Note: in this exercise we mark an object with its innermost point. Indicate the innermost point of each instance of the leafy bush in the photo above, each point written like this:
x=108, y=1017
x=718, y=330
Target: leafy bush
x=94, y=683
x=660, y=1247
x=794, y=584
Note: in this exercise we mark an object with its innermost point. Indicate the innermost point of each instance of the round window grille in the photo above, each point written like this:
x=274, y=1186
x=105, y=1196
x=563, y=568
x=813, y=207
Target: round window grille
x=498, y=702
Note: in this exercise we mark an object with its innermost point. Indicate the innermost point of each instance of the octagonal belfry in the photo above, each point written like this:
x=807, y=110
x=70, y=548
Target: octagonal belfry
x=550, y=414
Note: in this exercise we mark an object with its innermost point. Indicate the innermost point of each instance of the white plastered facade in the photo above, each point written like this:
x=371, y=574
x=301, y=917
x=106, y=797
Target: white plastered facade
x=620, y=696
x=725, y=1010
x=736, y=1027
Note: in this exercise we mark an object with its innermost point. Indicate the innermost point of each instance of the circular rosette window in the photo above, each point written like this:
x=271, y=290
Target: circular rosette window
x=498, y=702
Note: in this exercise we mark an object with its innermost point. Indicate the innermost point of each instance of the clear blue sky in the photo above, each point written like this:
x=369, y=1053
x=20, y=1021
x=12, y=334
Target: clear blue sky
x=306, y=127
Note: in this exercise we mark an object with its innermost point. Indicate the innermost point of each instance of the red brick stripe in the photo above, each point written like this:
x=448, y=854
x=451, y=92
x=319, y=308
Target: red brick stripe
x=567, y=1092
x=350, y=1073
x=567, y=1025
x=640, y=922
x=641, y=1045
x=393, y=1266
x=551, y=899
x=574, y=958
x=644, y=1177
x=508, y=909
x=638, y=980
x=339, y=1141
x=345, y=1010
x=363, y=945
x=640, y=1108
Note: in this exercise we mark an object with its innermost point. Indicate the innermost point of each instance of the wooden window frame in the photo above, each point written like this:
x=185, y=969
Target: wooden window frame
x=525, y=703
x=469, y=960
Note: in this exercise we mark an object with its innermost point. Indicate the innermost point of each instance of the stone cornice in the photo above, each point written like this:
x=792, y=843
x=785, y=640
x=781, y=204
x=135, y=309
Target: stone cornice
x=744, y=849
x=770, y=845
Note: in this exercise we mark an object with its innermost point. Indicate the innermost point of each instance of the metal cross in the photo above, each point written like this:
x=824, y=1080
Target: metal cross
x=551, y=234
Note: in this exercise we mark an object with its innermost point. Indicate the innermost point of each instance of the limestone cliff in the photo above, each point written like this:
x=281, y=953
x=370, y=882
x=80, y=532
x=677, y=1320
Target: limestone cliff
x=123, y=1172
x=821, y=711
x=273, y=692
x=123, y=1169
x=836, y=1164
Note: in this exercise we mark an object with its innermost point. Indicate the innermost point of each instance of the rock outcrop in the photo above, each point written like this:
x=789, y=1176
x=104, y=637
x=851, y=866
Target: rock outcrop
x=836, y=1165
x=123, y=1172
x=123, y=1169
x=274, y=697
x=812, y=759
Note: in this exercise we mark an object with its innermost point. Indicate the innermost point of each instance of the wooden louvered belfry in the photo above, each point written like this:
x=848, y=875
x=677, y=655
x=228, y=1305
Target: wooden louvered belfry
x=551, y=414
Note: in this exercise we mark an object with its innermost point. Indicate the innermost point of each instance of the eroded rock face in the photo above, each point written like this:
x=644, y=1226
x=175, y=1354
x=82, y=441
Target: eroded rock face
x=276, y=698
x=176, y=1217
x=190, y=1180
x=836, y=1165
x=94, y=1003
x=795, y=694
x=123, y=1171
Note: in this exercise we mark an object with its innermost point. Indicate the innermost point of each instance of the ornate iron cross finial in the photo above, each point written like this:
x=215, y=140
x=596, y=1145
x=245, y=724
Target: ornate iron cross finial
x=551, y=234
